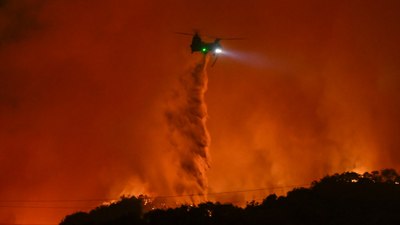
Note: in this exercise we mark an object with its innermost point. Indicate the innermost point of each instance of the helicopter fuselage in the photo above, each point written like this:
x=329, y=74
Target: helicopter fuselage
x=198, y=45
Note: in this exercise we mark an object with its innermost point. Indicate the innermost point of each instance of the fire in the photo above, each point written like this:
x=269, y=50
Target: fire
x=84, y=98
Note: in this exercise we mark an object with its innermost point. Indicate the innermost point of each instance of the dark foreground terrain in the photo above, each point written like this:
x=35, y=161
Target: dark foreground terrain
x=340, y=199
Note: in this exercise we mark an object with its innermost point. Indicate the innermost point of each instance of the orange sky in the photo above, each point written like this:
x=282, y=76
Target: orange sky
x=84, y=85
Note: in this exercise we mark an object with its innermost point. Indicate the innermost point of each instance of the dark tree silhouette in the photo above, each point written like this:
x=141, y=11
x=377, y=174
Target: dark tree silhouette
x=340, y=199
x=125, y=211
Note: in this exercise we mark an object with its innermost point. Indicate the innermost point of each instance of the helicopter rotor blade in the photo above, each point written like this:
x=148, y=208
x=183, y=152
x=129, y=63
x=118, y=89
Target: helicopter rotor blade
x=232, y=39
x=195, y=32
x=226, y=38
x=183, y=33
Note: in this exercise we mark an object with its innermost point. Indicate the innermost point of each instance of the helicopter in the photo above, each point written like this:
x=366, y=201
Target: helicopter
x=198, y=45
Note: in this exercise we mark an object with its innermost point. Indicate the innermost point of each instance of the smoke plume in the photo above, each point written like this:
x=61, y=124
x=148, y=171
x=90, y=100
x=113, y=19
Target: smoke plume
x=186, y=118
x=314, y=90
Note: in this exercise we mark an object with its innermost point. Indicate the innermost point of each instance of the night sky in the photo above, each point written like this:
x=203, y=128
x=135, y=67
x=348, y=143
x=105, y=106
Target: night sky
x=313, y=89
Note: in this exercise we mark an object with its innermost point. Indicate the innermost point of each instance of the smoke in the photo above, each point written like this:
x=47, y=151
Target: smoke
x=83, y=110
x=186, y=117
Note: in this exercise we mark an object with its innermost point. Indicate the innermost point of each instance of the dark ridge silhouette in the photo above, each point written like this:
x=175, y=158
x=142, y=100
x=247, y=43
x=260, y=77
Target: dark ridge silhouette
x=340, y=199
x=125, y=211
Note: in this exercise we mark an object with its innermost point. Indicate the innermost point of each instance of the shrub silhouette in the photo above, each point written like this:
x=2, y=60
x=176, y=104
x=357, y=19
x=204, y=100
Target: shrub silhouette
x=340, y=199
x=125, y=211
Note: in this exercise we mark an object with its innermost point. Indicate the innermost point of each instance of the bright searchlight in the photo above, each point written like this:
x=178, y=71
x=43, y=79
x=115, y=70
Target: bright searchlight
x=218, y=50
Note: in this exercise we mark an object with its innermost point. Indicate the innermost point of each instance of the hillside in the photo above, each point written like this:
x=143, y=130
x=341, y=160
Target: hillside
x=347, y=198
